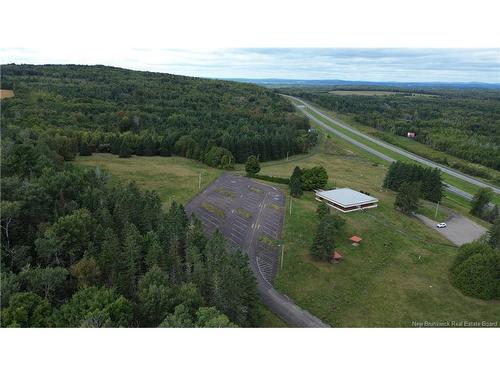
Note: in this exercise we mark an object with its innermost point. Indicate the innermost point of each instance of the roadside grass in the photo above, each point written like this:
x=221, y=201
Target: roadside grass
x=213, y=209
x=428, y=209
x=174, y=178
x=244, y=213
x=269, y=319
x=463, y=185
x=226, y=193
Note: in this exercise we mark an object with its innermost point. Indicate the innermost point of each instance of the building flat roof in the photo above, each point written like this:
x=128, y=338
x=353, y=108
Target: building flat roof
x=347, y=197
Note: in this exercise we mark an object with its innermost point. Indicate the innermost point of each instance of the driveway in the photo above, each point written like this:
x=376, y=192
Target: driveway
x=459, y=229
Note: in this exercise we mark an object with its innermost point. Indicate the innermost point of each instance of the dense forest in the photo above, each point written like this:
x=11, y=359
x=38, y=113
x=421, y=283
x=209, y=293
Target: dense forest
x=80, y=251
x=84, y=109
x=463, y=123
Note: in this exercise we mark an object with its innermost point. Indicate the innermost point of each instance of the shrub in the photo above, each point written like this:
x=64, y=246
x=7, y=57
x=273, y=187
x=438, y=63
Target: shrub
x=476, y=271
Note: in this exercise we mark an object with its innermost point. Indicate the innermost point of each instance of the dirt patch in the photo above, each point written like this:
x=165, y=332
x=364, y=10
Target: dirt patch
x=6, y=94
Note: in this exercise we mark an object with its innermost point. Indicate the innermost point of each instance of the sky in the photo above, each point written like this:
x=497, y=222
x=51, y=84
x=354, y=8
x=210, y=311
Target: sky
x=365, y=64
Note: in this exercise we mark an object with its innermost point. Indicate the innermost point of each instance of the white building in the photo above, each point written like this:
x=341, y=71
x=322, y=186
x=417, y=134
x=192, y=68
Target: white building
x=346, y=200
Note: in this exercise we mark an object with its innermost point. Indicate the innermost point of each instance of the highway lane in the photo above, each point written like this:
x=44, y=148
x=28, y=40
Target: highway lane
x=383, y=156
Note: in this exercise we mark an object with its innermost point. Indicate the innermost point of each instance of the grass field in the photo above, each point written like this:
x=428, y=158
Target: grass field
x=174, y=178
x=399, y=274
x=6, y=94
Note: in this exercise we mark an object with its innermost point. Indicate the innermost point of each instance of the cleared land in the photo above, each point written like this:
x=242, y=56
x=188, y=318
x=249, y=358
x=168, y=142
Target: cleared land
x=174, y=178
x=399, y=274
x=6, y=94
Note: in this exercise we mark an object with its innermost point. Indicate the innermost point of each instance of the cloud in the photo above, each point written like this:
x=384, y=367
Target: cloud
x=419, y=65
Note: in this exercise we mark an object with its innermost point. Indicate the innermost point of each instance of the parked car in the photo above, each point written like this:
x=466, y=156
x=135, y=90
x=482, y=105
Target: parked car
x=441, y=225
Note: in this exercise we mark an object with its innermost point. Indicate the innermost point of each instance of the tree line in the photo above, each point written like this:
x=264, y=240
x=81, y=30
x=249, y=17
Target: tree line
x=427, y=181
x=86, y=109
x=80, y=251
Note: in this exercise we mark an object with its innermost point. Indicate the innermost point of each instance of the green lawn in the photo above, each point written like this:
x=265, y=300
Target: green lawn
x=429, y=210
x=397, y=275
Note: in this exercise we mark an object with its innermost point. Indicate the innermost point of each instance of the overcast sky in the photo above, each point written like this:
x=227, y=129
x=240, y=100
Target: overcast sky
x=404, y=65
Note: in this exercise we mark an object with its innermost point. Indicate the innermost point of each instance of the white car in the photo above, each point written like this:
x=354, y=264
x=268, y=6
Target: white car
x=441, y=225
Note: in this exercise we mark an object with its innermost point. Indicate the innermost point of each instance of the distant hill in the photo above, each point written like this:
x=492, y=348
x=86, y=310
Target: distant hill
x=272, y=82
x=105, y=109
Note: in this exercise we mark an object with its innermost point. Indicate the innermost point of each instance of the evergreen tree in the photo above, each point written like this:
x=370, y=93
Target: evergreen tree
x=322, y=210
x=130, y=267
x=296, y=183
x=125, y=151
x=314, y=178
x=85, y=149
x=324, y=239
x=407, y=199
x=110, y=258
x=480, y=202
x=252, y=166
x=154, y=252
x=494, y=235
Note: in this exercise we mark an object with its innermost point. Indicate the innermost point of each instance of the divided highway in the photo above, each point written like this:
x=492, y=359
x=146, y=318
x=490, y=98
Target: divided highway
x=387, y=146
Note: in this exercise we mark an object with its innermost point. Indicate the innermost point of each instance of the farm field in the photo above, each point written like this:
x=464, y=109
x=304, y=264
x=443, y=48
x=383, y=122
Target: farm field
x=399, y=274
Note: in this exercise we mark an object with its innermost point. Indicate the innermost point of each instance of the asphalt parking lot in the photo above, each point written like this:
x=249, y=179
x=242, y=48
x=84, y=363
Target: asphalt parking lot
x=459, y=229
x=250, y=215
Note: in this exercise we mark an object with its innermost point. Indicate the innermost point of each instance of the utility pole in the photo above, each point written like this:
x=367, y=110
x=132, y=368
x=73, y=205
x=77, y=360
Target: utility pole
x=199, y=181
x=291, y=199
x=437, y=208
x=282, y=252
x=287, y=156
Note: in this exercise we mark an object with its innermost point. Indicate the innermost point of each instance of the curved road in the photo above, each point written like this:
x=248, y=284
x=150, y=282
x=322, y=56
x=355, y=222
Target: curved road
x=388, y=146
x=280, y=304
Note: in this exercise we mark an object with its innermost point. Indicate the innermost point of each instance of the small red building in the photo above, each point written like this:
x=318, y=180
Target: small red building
x=336, y=257
x=356, y=240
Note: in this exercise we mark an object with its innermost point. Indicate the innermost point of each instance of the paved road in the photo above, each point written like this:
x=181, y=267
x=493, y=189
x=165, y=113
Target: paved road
x=459, y=229
x=252, y=220
x=388, y=146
